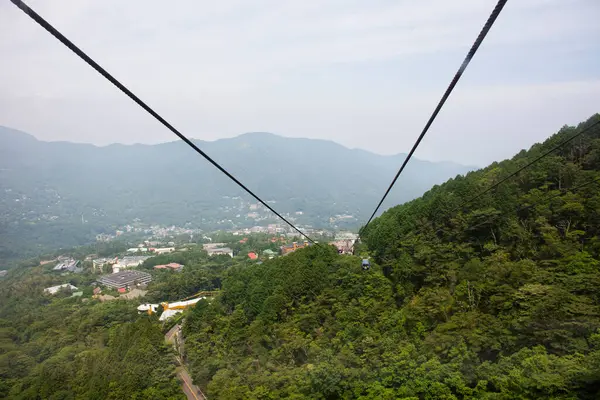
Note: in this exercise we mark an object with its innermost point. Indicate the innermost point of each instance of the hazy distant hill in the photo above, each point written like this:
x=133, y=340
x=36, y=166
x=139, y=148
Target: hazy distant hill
x=47, y=186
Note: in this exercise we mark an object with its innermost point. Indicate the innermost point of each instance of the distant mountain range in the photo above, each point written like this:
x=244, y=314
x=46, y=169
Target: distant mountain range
x=45, y=186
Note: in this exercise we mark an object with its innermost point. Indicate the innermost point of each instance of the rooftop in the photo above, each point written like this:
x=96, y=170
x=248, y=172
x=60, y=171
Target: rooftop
x=69, y=264
x=124, y=278
x=169, y=265
x=221, y=250
x=207, y=246
x=56, y=289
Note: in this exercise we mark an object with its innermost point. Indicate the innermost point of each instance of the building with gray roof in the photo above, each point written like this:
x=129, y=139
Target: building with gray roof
x=124, y=279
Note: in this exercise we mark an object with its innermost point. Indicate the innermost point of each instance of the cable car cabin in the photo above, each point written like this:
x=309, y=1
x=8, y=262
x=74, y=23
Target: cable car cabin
x=366, y=264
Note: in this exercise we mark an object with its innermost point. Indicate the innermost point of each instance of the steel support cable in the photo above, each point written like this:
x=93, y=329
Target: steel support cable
x=529, y=164
x=562, y=192
x=486, y=28
x=541, y=200
x=54, y=32
x=522, y=208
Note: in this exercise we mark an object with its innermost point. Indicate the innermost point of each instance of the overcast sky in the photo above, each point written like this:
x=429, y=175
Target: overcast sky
x=365, y=74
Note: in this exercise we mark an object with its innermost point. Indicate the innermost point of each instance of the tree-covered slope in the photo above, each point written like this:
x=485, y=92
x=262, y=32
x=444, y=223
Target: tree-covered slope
x=67, y=348
x=555, y=198
x=496, y=301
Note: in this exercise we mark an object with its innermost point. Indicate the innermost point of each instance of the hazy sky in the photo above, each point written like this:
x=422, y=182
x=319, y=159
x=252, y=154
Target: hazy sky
x=365, y=74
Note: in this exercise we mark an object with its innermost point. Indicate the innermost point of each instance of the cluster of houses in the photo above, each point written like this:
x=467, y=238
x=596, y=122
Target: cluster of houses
x=121, y=281
x=214, y=249
x=343, y=242
x=271, y=228
x=124, y=278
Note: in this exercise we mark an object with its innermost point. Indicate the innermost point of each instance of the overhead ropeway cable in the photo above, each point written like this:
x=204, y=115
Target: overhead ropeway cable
x=581, y=131
x=54, y=32
x=543, y=199
x=484, y=31
x=529, y=164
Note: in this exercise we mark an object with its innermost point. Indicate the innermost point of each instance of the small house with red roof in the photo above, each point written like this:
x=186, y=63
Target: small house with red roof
x=252, y=255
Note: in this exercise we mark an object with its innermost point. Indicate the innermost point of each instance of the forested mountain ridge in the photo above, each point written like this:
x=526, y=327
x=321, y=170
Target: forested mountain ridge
x=47, y=188
x=496, y=301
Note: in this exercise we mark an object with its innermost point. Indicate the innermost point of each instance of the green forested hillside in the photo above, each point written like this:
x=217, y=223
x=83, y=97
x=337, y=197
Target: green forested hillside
x=495, y=301
x=62, y=347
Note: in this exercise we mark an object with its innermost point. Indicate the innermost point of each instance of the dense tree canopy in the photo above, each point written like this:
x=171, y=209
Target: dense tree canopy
x=63, y=347
x=496, y=300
